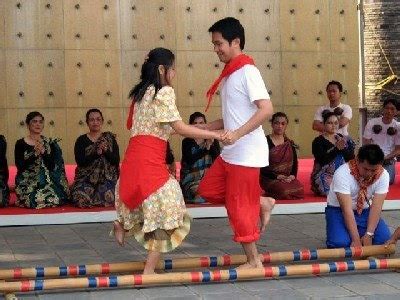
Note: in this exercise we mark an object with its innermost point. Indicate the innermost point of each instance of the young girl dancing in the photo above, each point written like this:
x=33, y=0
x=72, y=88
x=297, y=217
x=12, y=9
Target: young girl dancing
x=148, y=200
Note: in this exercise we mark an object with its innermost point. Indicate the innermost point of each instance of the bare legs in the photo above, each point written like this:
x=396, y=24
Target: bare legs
x=253, y=259
x=266, y=206
x=250, y=249
x=152, y=259
x=119, y=233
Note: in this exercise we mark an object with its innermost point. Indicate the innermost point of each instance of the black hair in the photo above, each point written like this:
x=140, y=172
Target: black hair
x=150, y=74
x=230, y=29
x=91, y=111
x=327, y=114
x=279, y=114
x=337, y=83
x=392, y=101
x=371, y=153
x=196, y=115
x=31, y=115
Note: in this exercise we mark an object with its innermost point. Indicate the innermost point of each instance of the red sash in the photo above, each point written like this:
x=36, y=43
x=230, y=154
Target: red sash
x=143, y=170
x=234, y=65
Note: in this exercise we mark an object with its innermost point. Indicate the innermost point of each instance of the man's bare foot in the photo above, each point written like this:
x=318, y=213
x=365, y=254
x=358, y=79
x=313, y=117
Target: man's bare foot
x=266, y=206
x=145, y=272
x=248, y=265
x=119, y=233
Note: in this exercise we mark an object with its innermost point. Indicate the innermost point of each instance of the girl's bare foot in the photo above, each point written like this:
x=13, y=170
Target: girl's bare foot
x=119, y=233
x=266, y=206
x=252, y=265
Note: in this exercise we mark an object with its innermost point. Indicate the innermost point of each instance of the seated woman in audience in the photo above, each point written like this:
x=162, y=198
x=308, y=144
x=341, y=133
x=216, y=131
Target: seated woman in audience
x=330, y=150
x=197, y=156
x=278, y=180
x=4, y=191
x=40, y=180
x=97, y=159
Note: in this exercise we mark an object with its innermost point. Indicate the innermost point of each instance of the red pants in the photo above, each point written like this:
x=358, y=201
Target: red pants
x=238, y=188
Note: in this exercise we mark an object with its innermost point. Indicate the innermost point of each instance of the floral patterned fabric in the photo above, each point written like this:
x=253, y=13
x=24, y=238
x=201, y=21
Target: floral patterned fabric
x=161, y=222
x=41, y=181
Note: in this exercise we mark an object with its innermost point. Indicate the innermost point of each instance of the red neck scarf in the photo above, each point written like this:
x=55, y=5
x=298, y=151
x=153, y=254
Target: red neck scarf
x=129, y=121
x=232, y=66
x=363, y=183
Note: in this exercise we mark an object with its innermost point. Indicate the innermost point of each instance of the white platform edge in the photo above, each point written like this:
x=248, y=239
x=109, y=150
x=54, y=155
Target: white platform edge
x=195, y=212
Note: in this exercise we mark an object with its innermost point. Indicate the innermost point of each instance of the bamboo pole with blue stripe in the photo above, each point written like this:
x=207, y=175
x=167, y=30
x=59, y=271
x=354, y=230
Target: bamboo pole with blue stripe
x=195, y=262
x=197, y=277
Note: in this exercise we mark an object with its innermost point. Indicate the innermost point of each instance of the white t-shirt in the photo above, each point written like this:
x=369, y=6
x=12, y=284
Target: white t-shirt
x=347, y=113
x=383, y=140
x=238, y=93
x=343, y=182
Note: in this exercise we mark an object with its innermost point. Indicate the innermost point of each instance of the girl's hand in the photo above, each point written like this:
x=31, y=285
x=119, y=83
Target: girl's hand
x=340, y=144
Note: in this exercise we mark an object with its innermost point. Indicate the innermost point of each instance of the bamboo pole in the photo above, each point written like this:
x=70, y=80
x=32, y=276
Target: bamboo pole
x=195, y=262
x=196, y=277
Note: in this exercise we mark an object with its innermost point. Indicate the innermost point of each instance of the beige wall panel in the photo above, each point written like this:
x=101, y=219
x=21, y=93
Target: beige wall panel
x=260, y=20
x=2, y=23
x=345, y=69
x=96, y=22
x=31, y=24
x=76, y=124
x=3, y=122
x=131, y=65
x=344, y=25
x=2, y=79
x=29, y=73
x=194, y=18
x=299, y=129
x=269, y=64
x=299, y=20
x=354, y=128
x=95, y=74
x=147, y=24
x=196, y=71
x=303, y=80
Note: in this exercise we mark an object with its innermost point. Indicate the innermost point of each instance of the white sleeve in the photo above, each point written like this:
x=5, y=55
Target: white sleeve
x=368, y=130
x=347, y=112
x=382, y=185
x=255, y=84
x=318, y=114
x=341, y=182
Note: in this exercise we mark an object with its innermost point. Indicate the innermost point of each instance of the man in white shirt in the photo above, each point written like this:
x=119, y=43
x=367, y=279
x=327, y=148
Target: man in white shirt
x=233, y=179
x=385, y=132
x=355, y=200
x=334, y=91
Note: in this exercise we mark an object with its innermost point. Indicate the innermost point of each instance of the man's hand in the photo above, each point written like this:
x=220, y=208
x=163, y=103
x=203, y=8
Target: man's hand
x=356, y=243
x=366, y=240
x=229, y=137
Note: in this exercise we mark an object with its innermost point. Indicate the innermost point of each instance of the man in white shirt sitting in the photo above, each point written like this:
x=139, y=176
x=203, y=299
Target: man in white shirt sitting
x=355, y=201
x=343, y=111
x=385, y=132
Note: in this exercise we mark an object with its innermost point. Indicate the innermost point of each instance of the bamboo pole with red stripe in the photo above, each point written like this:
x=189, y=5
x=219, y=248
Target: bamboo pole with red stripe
x=195, y=262
x=197, y=277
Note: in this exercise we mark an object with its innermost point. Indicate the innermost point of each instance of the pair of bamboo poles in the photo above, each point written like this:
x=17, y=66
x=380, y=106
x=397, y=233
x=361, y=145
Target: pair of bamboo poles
x=101, y=275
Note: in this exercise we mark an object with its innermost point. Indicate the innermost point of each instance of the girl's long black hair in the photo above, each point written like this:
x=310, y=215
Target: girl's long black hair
x=150, y=74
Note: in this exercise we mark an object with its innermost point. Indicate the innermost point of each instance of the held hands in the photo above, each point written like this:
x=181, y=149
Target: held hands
x=208, y=143
x=102, y=147
x=229, y=137
x=39, y=148
x=286, y=179
x=340, y=144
